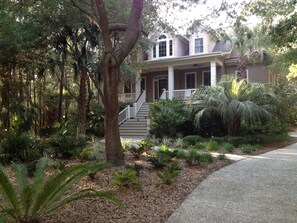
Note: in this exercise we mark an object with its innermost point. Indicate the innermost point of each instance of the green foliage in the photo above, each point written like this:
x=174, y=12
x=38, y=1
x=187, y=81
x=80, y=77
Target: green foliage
x=92, y=152
x=170, y=172
x=222, y=156
x=18, y=147
x=200, y=145
x=160, y=159
x=249, y=148
x=67, y=146
x=205, y=158
x=237, y=102
x=136, y=149
x=228, y=147
x=126, y=178
x=32, y=199
x=166, y=117
x=125, y=144
x=180, y=154
x=95, y=121
x=192, y=140
x=137, y=167
x=212, y=145
x=166, y=141
x=192, y=157
x=179, y=143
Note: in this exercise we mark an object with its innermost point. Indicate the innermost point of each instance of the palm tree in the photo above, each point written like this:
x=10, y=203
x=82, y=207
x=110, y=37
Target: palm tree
x=237, y=102
x=30, y=200
x=251, y=46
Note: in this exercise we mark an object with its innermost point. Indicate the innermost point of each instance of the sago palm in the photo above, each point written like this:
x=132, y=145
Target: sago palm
x=236, y=102
x=26, y=201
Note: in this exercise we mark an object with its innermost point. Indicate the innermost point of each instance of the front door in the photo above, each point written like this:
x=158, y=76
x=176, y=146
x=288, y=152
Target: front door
x=159, y=85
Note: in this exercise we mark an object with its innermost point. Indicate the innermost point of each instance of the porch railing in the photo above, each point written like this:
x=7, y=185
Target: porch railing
x=130, y=112
x=183, y=94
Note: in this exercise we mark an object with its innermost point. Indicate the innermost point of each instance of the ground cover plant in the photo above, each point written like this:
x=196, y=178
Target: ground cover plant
x=32, y=199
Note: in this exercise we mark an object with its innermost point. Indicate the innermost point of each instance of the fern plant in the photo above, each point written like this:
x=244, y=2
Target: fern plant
x=29, y=200
x=170, y=172
x=126, y=178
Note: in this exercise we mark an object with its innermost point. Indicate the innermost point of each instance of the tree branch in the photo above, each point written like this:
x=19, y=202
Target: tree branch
x=132, y=33
x=121, y=27
x=103, y=23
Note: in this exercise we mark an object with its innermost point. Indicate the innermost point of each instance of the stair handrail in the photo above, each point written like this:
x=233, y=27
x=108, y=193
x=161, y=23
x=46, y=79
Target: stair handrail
x=129, y=112
x=124, y=114
x=139, y=102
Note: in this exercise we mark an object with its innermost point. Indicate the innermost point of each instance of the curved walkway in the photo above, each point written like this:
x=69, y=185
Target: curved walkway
x=257, y=189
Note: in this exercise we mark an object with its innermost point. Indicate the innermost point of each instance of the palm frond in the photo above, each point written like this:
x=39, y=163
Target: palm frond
x=8, y=191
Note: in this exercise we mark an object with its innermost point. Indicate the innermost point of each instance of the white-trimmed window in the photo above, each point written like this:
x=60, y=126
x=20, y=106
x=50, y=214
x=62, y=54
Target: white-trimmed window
x=206, y=78
x=190, y=80
x=163, y=47
x=198, y=45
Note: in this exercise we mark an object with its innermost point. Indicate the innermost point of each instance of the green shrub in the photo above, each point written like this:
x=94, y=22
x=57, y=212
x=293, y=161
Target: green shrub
x=126, y=178
x=205, y=158
x=180, y=154
x=239, y=140
x=170, y=172
x=192, y=157
x=249, y=148
x=166, y=117
x=212, y=145
x=145, y=144
x=18, y=148
x=125, y=144
x=160, y=159
x=95, y=120
x=222, y=156
x=179, y=143
x=29, y=200
x=191, y=140
x=136, y=150
x=136, y=167
x=166, y=141
x=67, y=146
x=200, y=145
x=152, y=140
x=228, y=147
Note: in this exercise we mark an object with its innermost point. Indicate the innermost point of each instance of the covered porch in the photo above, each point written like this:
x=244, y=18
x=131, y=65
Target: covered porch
x=180, y=77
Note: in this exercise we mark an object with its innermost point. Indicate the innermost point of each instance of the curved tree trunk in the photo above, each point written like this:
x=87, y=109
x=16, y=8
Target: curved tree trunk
x=114, y=150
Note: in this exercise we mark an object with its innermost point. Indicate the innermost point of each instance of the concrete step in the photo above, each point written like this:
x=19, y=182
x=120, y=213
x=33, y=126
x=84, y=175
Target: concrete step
x=133, y=128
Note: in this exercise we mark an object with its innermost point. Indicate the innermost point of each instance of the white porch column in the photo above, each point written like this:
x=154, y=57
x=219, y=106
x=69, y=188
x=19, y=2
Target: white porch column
x=213, y=73
x=137, y=87
x=170, y=81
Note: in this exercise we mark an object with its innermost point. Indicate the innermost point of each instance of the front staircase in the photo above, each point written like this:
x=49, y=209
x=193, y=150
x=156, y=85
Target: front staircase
x=136, y=127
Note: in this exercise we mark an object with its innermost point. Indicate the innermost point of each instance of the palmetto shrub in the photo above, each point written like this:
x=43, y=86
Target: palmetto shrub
x=167, y=116
x=27, y=201
x=237, y=102
x=18, y=147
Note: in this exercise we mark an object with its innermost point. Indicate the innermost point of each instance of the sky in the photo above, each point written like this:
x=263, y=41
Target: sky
x=182, y=19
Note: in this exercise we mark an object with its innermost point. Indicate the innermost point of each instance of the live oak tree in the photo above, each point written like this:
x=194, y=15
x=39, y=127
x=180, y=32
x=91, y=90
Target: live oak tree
x=112, y=19
x=110, y=63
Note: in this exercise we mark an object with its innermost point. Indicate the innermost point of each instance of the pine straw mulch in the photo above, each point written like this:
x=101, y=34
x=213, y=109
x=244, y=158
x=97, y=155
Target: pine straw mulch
x=154, y=203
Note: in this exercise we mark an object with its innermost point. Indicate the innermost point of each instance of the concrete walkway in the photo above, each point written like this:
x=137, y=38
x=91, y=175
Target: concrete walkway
x=256, y=189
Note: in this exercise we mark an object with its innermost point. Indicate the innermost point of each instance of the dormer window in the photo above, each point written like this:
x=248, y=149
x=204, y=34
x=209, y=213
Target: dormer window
x=198, y=45
x=163, y=47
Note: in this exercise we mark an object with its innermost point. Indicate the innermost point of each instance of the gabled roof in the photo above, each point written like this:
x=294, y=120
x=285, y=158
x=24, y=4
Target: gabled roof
x=223, y=46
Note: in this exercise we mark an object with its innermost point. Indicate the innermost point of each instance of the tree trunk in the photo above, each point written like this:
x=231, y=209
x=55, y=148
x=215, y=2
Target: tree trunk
x=82, y=105
x=234, y=127
x=114, y=150
x=241, y=68
x=60, y=110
